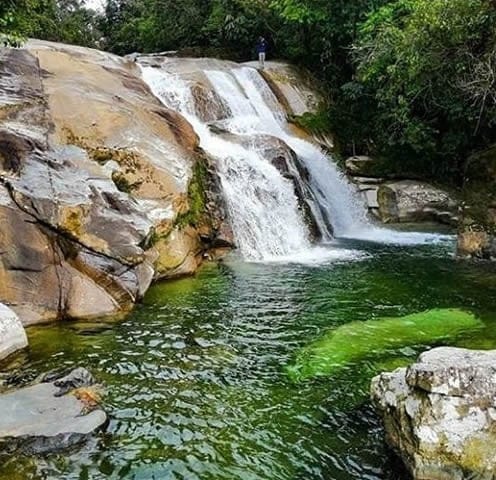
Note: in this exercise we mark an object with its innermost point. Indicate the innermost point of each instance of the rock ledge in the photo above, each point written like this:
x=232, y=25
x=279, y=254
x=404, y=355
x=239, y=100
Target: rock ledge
x=51, y=415
x=440, y=413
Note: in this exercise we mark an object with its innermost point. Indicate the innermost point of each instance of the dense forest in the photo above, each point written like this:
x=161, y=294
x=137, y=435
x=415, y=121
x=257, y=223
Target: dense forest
x=412, y=82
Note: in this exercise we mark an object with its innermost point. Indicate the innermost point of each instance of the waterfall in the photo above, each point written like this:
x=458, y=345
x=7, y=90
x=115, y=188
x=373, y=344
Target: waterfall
x=265, y=212
x=338, y=202
x=262, y=204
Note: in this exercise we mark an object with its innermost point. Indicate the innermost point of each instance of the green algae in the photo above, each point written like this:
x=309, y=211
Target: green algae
x=355, y=341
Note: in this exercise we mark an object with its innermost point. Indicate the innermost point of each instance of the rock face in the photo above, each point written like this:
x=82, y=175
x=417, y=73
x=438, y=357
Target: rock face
x=400, y=200
x=477, y=233
x=12, y=334
x=413, y=201
x=360, y=165
x=50, y=416
x=298, y=92
x=95, y=175
x=440, y=414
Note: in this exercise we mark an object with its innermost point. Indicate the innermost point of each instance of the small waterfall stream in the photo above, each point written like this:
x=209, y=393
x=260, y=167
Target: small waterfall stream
x=262, y=204
x=265, y=212
x=338, y=202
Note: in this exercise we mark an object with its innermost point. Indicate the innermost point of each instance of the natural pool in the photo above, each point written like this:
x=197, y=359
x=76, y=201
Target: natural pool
x=196, y=378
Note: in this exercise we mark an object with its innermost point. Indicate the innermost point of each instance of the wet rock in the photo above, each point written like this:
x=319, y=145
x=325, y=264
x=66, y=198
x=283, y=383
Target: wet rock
x=208, y=104
x=413, y=201
x=50, y=416
x=440, y=413
x=12, y=334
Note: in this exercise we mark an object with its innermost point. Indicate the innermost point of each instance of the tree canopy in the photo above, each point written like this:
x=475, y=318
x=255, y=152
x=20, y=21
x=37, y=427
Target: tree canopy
x=410, y=81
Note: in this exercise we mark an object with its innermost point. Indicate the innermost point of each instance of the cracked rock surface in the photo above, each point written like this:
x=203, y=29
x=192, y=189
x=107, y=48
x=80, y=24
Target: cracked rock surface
x=94, y=172
x=440, y=413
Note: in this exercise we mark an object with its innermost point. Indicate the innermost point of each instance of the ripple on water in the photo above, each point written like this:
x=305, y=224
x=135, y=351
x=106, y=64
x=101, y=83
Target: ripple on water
x=196, y=386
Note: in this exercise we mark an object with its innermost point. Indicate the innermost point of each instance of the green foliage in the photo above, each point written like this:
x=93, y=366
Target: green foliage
x=356, y=341
x=58, y=20
x=426, y=64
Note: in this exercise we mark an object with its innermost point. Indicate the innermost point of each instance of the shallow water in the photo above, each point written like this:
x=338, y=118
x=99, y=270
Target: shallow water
x=195, y=377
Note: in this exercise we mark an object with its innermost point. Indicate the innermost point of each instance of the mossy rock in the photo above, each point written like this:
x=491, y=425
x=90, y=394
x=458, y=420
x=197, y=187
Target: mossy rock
x=356, y=341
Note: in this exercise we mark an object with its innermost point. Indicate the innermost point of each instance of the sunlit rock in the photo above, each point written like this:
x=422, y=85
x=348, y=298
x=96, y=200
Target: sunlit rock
x=93, y=168
x=12, y=334
x=440, y=413
x=295, y=89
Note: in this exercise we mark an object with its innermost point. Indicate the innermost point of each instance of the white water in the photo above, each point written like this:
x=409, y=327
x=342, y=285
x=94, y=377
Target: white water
x=262, y=204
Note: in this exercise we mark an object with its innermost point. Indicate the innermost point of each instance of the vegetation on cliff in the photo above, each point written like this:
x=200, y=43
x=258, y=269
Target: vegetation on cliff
x=409, y=81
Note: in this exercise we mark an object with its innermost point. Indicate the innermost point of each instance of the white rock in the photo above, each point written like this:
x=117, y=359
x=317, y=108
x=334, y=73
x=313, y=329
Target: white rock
x=439, y=414
x=12, y=334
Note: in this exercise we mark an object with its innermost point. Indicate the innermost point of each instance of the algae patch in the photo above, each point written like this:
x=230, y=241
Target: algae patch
x=374, y=338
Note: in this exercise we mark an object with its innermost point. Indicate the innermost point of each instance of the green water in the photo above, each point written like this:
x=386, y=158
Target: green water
x=196, y=378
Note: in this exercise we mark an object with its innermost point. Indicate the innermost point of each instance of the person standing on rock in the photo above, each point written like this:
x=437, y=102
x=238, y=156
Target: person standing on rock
x=261, y=50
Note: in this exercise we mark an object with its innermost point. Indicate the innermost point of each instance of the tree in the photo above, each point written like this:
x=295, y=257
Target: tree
x=429, y=66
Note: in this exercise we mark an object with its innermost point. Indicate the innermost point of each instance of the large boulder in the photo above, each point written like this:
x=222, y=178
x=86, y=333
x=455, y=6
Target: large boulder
x=440, y=414
x=12, y=334
x=94, y=170
x=413, y=201
x=51, y=415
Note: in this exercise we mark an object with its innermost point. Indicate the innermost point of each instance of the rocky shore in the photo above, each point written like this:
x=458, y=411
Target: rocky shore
x=439, y=414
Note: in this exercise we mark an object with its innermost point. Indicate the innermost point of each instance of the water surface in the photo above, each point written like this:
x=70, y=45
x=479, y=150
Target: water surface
x=195, y=377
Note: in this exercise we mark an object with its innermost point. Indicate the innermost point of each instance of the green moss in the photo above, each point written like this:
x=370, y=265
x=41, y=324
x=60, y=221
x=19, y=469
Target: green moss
x=316, y=123
x=358, y=340
x=196, y=196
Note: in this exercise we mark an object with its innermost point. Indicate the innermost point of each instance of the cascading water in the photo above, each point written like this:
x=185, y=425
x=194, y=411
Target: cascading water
x=262, y=204
x=264, y=210
x=336, y=199
x=256, y=110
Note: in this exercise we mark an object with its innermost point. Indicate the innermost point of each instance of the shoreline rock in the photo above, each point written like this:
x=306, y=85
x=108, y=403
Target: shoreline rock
x=50, y=416
x=477, y=232
x=440, y=413
x=12, y=334
x=401, y=200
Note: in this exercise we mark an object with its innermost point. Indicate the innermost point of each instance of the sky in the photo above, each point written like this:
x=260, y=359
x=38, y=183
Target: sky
x=95, y=4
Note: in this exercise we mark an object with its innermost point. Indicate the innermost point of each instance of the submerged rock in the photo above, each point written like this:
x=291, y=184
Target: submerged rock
x=51, y=416
x=375, y=338
x=440, y=414
x=12, y=334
